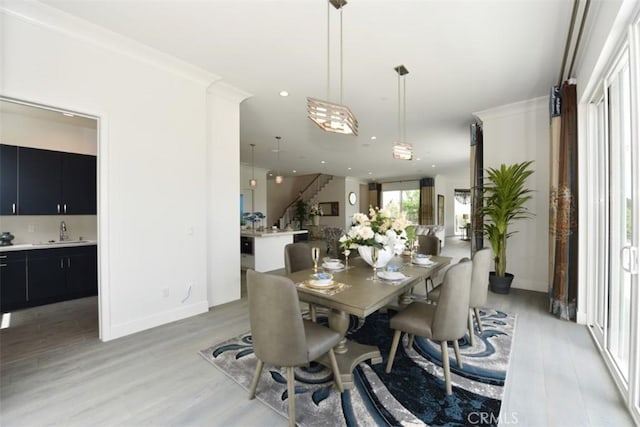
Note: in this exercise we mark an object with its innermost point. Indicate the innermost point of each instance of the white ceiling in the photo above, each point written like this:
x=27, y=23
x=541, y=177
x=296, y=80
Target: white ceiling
x=463, y=56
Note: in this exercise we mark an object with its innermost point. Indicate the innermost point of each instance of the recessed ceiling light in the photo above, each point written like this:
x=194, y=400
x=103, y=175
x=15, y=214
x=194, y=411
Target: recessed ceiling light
x=323, y=162
x=433, y=166
x=284, y=93
x=68, y=114
x=370, y=173
x=270, y=174
x=373, y=137
x=294, y=171
x=418, y=159
x=348, y=168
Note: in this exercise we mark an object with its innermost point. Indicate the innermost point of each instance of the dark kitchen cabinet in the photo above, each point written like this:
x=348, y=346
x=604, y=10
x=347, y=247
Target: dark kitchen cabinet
x=47, y=280
x=43, y=276
x=78, y=184
x=53, y=182
x=13, y=280
x=8, y=180
x=62, y=274
x=82, y=271
x=39, y=183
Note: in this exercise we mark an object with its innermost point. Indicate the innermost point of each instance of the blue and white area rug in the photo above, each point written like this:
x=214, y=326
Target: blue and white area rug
x=411, y=395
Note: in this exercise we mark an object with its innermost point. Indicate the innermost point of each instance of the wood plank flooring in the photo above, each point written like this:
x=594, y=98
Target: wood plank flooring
x=55, y=371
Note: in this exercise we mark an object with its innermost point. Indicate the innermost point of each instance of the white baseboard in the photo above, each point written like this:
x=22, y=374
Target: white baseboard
x=118, y=331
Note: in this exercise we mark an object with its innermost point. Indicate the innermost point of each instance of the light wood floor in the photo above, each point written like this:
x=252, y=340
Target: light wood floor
x=54, y=370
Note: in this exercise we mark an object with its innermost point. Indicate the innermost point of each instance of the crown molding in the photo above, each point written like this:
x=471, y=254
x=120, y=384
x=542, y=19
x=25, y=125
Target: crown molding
x=226, y=91
x=517, y=108
x=50, y=18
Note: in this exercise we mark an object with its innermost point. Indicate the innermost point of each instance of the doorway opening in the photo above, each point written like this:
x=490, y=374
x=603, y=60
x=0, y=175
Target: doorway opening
x=55, y=244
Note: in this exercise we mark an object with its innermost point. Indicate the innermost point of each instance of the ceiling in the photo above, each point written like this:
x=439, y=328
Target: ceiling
x=462, y=56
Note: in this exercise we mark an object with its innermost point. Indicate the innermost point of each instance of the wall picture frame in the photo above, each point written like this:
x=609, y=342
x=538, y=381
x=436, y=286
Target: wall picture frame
x=330, y=208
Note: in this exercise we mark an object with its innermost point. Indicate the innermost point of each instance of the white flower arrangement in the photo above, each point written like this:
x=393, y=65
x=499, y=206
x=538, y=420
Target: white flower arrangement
x=315, y=210
x=379, y=229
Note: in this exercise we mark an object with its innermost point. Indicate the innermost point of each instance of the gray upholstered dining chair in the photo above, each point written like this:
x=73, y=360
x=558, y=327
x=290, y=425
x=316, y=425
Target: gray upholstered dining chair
x=428, y=244
x=297, y=256
x=281, y=337
x=446, y=321
x=479, y=288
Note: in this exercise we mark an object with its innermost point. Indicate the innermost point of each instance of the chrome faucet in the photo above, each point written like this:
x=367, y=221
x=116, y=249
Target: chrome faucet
x=63, y=231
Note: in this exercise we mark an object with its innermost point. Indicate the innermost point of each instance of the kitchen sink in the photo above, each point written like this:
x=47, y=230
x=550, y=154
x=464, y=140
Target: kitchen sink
x=59, y=242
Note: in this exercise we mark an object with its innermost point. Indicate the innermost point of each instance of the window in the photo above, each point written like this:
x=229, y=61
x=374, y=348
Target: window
x=407, y=201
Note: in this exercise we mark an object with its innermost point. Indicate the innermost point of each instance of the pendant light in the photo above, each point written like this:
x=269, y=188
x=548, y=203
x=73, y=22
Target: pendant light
x=402, y=150
x=278, y=176
x=252, y=182
x=328, y=115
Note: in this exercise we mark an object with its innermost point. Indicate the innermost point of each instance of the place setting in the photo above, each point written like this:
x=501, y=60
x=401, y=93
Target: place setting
x=323, y=282
x=422, y=260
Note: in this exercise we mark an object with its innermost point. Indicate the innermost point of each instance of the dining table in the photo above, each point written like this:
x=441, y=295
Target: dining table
x=355, y=292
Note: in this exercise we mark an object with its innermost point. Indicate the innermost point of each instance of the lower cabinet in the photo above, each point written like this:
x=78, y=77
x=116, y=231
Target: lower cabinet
x=48, y=275
x=13, y=280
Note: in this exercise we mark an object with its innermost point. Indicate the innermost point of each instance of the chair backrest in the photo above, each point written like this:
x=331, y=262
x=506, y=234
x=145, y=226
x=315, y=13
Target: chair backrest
x=276, y=322
x=480, y=277
x=332, y=236
x=450, y=319
x=429, y=244
x=297, y=256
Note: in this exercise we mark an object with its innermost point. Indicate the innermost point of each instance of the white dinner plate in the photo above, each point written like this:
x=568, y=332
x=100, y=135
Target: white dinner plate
x=323, y=285
x=333, y=266
x=391, y=275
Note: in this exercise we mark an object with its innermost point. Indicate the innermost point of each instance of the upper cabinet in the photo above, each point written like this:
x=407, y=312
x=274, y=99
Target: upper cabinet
x=8, y=180
x=51, y=183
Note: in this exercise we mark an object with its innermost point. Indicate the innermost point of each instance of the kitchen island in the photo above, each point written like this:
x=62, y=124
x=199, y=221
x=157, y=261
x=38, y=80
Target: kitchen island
x=264, y=250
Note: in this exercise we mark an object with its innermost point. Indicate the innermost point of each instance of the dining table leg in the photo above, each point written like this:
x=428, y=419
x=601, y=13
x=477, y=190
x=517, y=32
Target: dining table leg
x=349, y=353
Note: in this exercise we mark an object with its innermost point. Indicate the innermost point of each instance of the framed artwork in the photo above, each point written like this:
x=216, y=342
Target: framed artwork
x=330, y=208
x=440, y=209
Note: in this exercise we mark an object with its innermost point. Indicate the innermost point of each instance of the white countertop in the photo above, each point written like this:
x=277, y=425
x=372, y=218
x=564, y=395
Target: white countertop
x=269, y=233
x=47, y=245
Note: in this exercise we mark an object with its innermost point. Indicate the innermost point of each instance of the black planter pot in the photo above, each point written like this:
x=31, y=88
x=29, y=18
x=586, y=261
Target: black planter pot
x=500, y=285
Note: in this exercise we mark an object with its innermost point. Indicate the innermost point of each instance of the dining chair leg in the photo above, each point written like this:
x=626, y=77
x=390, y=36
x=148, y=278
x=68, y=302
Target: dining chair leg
x=445, y=366
x=336, y=371
x=410, y=341
x=392, y=352
x=291, y=391
x=314, y=313
x=256, y=378
x=471, y=331
x=456, y=348
x=477, y=311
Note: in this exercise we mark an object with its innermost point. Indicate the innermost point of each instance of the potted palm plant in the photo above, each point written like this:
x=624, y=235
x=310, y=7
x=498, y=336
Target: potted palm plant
x=300, y=212
x=504, y=200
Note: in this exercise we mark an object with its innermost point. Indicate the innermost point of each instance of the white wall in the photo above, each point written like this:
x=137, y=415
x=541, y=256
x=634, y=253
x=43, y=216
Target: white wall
x=152, y=153
x=35, y=132
x=515, y=133
x=223, y=157
x=334, y=191
x=351, y=185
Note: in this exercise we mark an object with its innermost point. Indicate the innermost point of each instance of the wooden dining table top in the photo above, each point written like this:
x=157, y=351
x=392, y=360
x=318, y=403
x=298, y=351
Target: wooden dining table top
x=362, y=295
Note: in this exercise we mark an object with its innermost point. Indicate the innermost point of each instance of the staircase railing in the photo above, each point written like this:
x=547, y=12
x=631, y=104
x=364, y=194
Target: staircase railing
x=306, y=195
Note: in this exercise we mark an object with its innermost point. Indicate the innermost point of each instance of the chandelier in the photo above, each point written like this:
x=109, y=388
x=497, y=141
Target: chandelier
x=252, y=182
x=331, y=116
x=401, y=149
x=278, y=178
